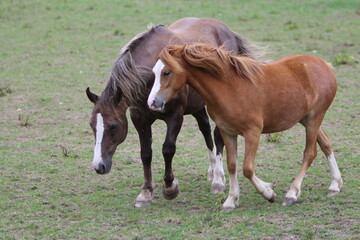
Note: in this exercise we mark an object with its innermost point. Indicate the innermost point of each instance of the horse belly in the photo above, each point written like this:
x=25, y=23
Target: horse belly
x=280, y=126
x=285, y=117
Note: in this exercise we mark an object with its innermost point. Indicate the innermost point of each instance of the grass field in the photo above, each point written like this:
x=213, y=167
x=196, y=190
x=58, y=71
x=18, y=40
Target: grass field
x=50, y=51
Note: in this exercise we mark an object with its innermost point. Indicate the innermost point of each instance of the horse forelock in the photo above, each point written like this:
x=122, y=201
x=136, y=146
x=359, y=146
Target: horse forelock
x=171, y=57
x=107, y=106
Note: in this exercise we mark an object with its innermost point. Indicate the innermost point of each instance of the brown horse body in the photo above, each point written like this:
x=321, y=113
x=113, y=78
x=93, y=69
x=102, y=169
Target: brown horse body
x=128, y=87
x=245, y=97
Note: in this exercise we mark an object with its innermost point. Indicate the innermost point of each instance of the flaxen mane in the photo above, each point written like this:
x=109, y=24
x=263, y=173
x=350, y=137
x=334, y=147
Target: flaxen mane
x=131, y=79
x=213, y=60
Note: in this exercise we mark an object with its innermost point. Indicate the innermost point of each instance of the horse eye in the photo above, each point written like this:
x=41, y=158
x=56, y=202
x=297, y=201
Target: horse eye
x=113, y=127
x=166, y=73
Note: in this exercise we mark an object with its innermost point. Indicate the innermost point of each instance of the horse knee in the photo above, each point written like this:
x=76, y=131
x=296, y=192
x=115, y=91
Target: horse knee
x=248, y=172
x=231, y=167
x=168, y=149
x=146, y=156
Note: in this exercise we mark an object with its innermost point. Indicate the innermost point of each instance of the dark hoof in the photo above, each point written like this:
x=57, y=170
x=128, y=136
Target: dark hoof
x=289, y=202
x=140, y=204
x=170, y=195
x=272, y=199
x=332, y=193
x=228, y=209
x=217, y=188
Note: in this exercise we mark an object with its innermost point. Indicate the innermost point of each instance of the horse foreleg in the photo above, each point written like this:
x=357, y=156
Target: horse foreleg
x=219, y=147
x=216, y=169
x=336, y=181
x=251, y=145
x=170, y=186
x=310, y=153
x=231, y=151
x=144, y=131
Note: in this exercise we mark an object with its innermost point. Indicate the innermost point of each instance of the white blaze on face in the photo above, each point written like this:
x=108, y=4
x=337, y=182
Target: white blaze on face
x=98, y=137
x=156, y=87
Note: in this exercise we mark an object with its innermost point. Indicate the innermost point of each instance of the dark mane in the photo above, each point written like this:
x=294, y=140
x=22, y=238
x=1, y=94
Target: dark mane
x=131, y=79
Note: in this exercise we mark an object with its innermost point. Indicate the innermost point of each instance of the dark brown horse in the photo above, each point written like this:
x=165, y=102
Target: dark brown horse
x=245, y=97
x=129, y=85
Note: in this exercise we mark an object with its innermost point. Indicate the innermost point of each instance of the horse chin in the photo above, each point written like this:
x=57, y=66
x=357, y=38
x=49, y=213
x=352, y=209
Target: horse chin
x=160, y=109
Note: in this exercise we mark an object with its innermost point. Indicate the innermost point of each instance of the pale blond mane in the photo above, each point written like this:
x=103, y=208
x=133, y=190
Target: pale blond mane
x=215, y=61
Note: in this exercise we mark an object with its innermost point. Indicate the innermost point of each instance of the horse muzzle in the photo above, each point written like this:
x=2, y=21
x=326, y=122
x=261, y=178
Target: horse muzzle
x=158, y=104
x=102, y=168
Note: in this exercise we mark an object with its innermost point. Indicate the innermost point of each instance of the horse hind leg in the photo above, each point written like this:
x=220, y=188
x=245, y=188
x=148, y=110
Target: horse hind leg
x=216, y=169
x=312, y=127
x=336, y=181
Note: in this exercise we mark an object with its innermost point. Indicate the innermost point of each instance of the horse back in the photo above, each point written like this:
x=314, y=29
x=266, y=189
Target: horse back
x=207, y=30
x=294, y=86
x=311, y=73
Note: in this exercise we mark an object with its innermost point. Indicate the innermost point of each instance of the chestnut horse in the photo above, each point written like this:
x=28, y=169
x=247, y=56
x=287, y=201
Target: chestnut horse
x=245, y=97
x=129, y=85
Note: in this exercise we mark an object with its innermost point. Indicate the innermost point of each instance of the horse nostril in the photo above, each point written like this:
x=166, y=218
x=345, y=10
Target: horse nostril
x=158, y=103
x=101, y=168
x=153, y=104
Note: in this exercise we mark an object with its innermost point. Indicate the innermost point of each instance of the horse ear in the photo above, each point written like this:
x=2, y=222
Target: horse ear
x=92, y=96
x=118, y=96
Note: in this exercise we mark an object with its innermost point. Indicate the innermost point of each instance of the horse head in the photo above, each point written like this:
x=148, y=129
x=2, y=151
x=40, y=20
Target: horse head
x=170, y=76
x=110, y=126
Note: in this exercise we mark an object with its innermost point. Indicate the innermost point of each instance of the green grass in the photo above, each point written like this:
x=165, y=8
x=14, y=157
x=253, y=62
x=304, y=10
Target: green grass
x=52, y=50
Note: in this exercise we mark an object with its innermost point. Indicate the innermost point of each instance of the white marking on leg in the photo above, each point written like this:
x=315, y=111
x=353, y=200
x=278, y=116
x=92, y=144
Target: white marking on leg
x=216, y=172
x=336, y=181
x=212, y=163
x=156, y=87
x=174, y=186
x=264, y=188
x=295, y=189
x=144, y=199
x=233, y=199
x=219, y=169
x=98, y=137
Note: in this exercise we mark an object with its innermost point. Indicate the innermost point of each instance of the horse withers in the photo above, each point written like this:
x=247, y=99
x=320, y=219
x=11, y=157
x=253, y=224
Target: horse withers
x=129, y=85
x=245, y=97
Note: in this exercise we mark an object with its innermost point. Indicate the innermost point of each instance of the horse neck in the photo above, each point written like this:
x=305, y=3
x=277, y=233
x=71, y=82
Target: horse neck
x=205, y=84
x=214, y=91
x=144, y=57
x=120, y=111
x=147, y=52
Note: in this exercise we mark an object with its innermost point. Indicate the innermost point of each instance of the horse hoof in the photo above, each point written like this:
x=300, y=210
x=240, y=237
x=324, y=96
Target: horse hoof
x=228, y=209
x=272, y=199
x=140, y=204
x=289, y=202
x=170, y=195
x=217, y=188
x=332, y=193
